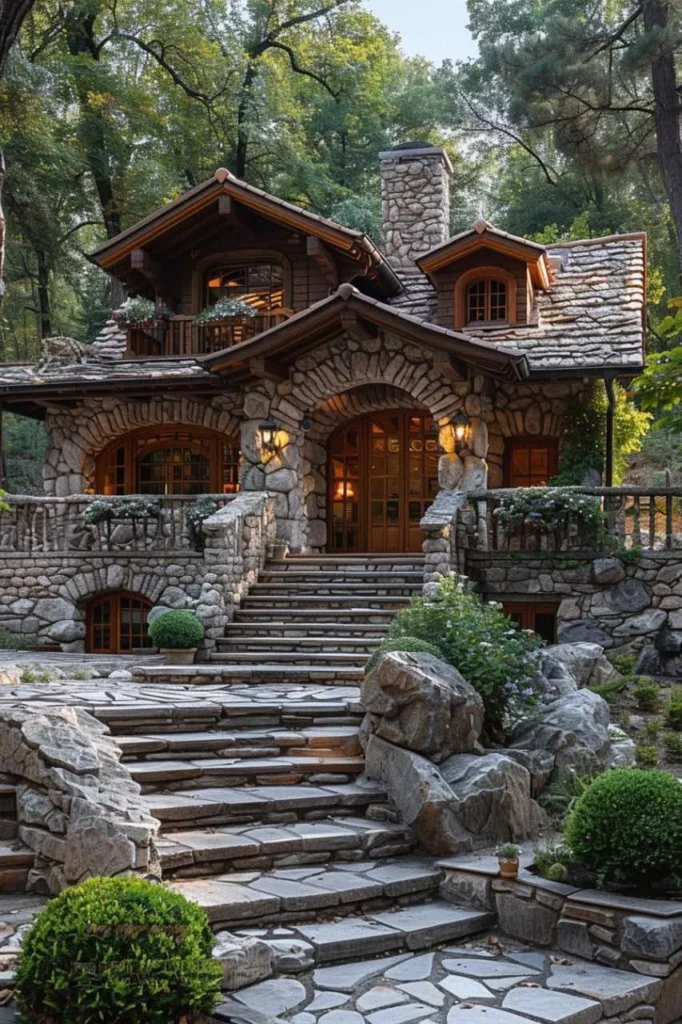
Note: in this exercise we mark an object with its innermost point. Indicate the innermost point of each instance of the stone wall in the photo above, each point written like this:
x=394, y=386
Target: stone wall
x=78, y=807
x=44, y=596
x=626, y=605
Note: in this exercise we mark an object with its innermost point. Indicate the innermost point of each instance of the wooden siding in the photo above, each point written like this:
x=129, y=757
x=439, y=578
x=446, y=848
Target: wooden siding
x=446, y=279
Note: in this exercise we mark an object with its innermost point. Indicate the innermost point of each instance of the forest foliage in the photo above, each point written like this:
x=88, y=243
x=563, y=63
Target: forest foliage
x=109, y=108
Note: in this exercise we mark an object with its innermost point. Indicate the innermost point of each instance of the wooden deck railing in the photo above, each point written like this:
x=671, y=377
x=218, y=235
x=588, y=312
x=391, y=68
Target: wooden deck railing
x=628, y=518
x=36, y=525
x=181, y=336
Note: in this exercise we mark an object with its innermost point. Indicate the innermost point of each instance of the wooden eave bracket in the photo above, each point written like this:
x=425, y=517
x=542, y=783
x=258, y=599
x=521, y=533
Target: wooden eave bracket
x=318, y=251
x=450, y=366
x=150, y=268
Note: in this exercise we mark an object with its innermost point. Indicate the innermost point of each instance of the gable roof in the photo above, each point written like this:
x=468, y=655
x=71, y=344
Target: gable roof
x=330, y=317
x=352, y=243
x=484, y=236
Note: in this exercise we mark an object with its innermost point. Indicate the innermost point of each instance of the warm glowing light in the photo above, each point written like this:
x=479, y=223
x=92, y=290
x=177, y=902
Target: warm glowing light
x=343, y=489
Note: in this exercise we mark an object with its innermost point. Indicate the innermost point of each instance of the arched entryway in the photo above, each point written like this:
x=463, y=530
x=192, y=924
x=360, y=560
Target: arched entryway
x=117, y=623
x=382, y=476
x=169, y=460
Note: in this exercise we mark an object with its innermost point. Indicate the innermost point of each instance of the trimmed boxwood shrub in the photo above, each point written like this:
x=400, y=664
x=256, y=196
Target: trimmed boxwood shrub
x=177, y=630
x=627, y=827
x=404, y=643
x=475, y=636
x=116, y=950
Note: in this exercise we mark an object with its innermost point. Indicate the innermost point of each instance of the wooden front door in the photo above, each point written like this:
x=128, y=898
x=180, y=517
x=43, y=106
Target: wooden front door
x=383, y=475
x=530, y=462
x=117, y=624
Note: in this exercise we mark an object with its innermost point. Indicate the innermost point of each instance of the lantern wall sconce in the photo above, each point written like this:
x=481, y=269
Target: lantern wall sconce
x=306, y=423
x=268, y=437
x=461, y=426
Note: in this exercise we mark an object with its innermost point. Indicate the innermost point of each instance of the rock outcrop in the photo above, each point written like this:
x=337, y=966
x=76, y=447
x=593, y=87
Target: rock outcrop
x=573, y=728
x=418, y=702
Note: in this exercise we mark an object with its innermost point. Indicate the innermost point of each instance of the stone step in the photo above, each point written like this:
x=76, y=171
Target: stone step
x=343, y=586
x=221, y=670
x=344, y=740
x=352, y=558
x=325, y=602
x=360, y=646
x=283, y=895
x=360, y=616
x=294, y=657
x=225, y=805
x=197, y=853
x=321, y=575
x=213, y=771
x=16, y=860
x=301, y=628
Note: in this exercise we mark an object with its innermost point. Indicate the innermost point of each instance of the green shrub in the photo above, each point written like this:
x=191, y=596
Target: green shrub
x=672, y=741
x=177, y=630
x=623, y=663
x=549, y=856
x=550, y=510
x=673, y=711
x=645, y=756
x=610, y=690
x=403, y=643
x=652, y=728
x=479, y=640
x=560, y=796
x=627, y=827
x=557, y=873
x=647, y=693
x=115, y=950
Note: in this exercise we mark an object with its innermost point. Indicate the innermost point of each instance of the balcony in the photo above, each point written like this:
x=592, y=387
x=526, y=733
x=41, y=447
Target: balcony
x=181, y=336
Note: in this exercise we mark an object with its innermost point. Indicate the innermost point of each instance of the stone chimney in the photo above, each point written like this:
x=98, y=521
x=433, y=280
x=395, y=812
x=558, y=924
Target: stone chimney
x=415, y=194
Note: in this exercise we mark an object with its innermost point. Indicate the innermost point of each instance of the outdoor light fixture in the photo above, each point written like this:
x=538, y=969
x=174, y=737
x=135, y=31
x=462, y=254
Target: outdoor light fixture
x=343, y=489
x=268, y=436
x=461, y=425
x=306, y=423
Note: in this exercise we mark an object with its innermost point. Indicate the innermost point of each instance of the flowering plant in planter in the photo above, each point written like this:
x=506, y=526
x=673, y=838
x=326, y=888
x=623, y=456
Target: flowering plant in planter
x=137, y=310
x=226, y=309
x=550, y=509
x=105, y=509
x=201, y=509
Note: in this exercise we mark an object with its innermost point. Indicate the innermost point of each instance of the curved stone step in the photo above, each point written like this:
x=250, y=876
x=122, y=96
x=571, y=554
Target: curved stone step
x=342, y=739
x=239, y=771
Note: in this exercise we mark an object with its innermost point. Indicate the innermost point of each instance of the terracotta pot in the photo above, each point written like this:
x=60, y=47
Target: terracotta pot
x=508, y=868
x=174, y=656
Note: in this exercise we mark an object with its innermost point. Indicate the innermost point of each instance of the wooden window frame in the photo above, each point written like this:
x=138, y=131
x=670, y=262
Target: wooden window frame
x=537, y=440
x=115, y=624
x=528, y=609
x=486, y=274
x=235, y=257
x=161, y=436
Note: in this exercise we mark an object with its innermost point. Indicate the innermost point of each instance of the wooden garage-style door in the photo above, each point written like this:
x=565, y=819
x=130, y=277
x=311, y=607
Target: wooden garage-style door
x=382, y=475
x=117, y=624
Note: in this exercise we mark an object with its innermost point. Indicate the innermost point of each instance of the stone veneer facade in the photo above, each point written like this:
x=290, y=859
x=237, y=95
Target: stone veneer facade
x=415, y=197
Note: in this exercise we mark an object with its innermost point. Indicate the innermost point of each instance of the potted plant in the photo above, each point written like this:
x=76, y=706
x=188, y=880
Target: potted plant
x=138, y=311
x=177, y=634
x=508, y=857
x=226, y=309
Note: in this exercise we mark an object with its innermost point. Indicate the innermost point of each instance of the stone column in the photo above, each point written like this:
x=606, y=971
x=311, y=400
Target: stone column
x=415, y=193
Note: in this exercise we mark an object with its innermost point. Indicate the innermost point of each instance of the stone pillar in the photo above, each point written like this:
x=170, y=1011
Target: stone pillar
x=415, y=193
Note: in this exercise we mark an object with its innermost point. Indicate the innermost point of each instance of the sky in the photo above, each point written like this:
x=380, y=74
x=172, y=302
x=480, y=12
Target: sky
x=437, y=31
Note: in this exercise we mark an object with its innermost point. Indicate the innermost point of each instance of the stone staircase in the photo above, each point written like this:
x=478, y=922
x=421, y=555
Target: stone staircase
x=325, y=613
x=256, y=776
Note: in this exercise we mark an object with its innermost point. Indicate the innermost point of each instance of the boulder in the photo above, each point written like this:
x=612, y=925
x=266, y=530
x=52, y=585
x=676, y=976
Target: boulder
x=574, y=728
x=416, y=701
x=492, y=797
x=584, y=631
x=669, y=642
x=420, y=794
x=649, y=662
x=244, y=960
x=626, y=597
x=648, y=621
x=66, y=631
x=540, y=764
x=567, y=667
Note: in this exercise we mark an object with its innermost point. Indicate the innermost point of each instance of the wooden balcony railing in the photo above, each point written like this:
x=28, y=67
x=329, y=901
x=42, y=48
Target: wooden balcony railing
x=42, y=526
x=627, y=518
x=180, y=336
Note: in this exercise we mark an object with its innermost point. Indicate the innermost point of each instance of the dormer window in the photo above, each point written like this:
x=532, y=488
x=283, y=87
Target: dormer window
x=487, y=301
x=485, y=297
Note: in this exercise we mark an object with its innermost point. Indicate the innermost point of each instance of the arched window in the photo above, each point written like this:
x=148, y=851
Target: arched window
x=485, y=297
x=117, y=624
x=260, y=284
x=170, y=460
x=486, y=301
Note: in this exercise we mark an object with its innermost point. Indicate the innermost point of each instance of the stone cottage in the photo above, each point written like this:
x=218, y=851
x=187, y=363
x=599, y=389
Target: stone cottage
x=359, y=389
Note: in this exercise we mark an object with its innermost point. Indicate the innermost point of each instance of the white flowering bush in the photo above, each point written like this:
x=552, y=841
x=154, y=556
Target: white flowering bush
x=137, y=310
x=104, y=509
x=226, y=309
x=550, y=509
x=483, y=643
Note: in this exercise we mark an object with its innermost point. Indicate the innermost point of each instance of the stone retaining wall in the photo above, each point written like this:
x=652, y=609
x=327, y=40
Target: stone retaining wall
x=44, y=596
x=631, y=934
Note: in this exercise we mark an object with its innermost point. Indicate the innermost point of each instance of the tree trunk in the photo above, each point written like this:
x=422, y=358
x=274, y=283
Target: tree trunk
x=2, y=231
x=667, y=112
x=45, y=312
x=242, y=120
x=12, y=14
